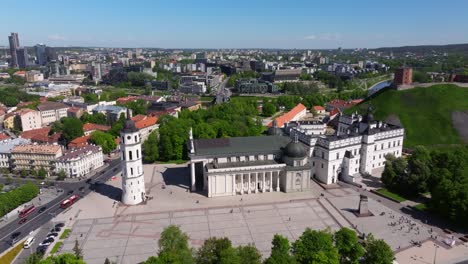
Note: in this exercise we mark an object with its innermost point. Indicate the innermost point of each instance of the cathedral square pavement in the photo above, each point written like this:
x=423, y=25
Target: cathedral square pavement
x=130, y=234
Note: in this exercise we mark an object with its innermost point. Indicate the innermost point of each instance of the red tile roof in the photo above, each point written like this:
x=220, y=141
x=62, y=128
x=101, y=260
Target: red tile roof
x=3, y=136
x=138, y=118
x=149, y=121
x=285, y=118
x=318, y=108
x=93, y=127
x=79, y=142
x=41, y=135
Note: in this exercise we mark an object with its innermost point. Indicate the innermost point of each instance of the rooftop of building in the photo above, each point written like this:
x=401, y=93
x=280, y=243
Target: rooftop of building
x=79, y=141
x=145, y=122
x=4, y=136
x=7, y=145
x=25, y=111
x=46, y=106
x=287, y=117
x=240, y=145
x=110, y=108
x=77, y=153
x=318, y=108
x=288, y=72
x=41, y=135
x=92, y=127
x=35, y=148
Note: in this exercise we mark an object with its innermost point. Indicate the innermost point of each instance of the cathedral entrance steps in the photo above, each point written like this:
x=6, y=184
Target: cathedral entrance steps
x=335, y=213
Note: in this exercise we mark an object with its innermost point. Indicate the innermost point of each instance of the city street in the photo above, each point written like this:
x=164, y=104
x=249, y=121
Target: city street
x=37, y=220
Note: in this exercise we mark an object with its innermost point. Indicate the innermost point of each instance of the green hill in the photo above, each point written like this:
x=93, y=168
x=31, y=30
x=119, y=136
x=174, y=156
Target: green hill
x=434, y=116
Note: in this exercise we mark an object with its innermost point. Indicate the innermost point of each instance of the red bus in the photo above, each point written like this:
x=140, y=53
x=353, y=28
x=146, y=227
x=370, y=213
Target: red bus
x=68, y=202
x=26, y=211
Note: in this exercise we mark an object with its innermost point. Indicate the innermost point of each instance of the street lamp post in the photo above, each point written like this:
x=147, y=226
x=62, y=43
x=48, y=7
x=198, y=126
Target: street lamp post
x=435, y=252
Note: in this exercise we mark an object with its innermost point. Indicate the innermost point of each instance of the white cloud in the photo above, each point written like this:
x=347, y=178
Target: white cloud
x=324, y=36
x=57, y=37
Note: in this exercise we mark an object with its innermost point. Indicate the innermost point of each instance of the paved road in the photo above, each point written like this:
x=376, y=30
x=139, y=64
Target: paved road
x=37, y=220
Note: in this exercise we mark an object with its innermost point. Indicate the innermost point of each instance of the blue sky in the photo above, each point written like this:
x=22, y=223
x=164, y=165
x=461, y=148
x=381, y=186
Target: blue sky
x=235, y=23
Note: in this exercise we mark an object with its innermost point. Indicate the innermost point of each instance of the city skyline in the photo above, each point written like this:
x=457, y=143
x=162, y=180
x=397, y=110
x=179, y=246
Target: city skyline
x=273, y=24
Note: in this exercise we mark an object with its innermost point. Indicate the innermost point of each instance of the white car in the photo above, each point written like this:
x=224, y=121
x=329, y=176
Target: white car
x=45, y=243
x=28, y=243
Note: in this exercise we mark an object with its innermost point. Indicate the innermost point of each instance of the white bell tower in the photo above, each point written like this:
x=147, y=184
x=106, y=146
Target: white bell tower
x=133, y=180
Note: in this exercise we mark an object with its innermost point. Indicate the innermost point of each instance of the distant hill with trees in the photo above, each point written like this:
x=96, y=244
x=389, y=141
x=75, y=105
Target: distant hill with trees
x=431, y=115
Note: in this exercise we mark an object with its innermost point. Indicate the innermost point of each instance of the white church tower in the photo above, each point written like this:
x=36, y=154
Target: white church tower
x=133, y=180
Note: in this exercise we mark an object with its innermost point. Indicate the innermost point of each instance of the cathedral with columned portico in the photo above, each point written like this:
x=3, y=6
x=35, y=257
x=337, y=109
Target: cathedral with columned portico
x=290, y=157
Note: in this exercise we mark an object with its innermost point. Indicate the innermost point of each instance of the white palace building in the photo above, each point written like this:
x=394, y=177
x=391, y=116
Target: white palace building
x=244, y=165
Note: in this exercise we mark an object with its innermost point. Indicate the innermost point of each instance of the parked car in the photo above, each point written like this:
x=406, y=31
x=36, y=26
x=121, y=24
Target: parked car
x=53, y=234
x=55, y=229
x=41, y=249
x=45, y=243
x=59, y=225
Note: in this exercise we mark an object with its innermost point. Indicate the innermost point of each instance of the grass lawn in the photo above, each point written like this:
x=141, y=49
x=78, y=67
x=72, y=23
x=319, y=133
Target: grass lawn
x=10, y=255
x=56, y=247
x=420, y=207
x=65, y=233
x=389, y=194
x=425, y=112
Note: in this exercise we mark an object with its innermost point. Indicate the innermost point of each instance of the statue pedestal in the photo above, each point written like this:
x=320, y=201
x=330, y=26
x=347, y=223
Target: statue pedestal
x=363, y=209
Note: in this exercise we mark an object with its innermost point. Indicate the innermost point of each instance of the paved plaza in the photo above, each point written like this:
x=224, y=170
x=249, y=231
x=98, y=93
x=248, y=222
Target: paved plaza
x=397, y=230
x=133, y=238
x=129, y=234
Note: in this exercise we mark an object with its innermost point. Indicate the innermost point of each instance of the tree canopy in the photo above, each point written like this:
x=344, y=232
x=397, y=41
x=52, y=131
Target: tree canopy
x=105, y=140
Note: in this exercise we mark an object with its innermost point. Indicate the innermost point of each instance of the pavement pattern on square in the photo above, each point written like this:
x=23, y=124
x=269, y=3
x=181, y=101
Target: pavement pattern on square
x=133, y=238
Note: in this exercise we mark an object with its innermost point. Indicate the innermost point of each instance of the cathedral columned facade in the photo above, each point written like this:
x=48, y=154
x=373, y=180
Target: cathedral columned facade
x=288, y=163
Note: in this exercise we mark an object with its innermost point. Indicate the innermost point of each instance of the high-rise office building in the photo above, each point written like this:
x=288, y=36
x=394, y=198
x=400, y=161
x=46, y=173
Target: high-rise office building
x=14, y=45
x=41, y=57
x=22, y=57
x=51, y=55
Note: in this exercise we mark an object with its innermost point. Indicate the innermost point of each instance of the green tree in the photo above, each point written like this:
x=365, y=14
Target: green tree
x=105, y=140
x=118, y=126
x=268, y=109
x=90, y=98
x=77, y=250
x=419, y=170
x=249, y=255
x=151, y=148
x=61, y=175
x=41, y=173
x=173, y=246
x=72, y=128
x=139, y=107
x=347, y=243
x=97, y=118
x=138, y=78
x=315, y=247
x=213, y=250
x=421, y=77
x=34, y=258
x=280, y=251
x=377, y=251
